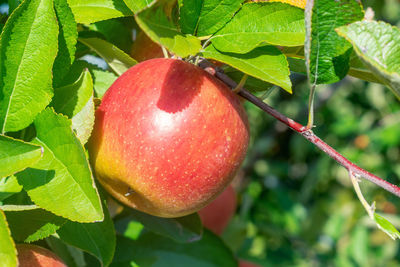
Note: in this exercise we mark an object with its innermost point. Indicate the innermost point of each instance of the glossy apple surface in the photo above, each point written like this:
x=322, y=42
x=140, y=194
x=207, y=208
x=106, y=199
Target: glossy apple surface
x=35, y=256
x=216, y=215
x=144, y=48
x=168, y=138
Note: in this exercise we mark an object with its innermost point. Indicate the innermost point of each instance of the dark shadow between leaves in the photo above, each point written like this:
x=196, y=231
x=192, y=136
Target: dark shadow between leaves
x=32, y=178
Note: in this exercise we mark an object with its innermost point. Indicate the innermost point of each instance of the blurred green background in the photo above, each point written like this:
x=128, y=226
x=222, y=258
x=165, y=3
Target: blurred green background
x=297, y=206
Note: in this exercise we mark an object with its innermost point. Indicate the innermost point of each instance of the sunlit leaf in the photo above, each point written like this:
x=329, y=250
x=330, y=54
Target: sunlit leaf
x=378, y=46
x=76, y=101
x=256, y=23
x=327, y=53
x=159, y=27
x=28, y=47
x=61, y=182
x=386, y=226
x=16, y=155
x=205, y=17
x=266, y=63
x=90, y=11
x=115, y=57
x=8, y=253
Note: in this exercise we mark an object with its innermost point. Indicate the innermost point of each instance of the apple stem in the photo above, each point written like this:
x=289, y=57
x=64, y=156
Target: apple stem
x=310, y=123
x=302, y=130
x=241, y=84
x=165, y=52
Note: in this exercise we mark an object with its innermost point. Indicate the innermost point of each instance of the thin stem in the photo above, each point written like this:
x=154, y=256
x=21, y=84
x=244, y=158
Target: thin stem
x=368, y=208
x=165, y=52
x=310, y=123
x=205, y=44
x=240, y=84
x=196, y=62
x=268, y=92
x=304, y=131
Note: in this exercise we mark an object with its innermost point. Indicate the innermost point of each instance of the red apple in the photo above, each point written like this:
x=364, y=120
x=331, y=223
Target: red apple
x=216, y=215
x=243, y=263
x=144, y=48
x=168, y=138
x=35, y=256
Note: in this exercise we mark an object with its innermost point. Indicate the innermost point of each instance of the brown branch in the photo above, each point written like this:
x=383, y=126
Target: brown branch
x=306, y=133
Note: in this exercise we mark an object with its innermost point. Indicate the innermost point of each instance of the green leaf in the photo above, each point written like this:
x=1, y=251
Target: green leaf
x=61, y=182
x=8, y=187
x=12, y=4
x=90, y=11
x=16, y=155
x=66, y=41
x=273, y=23
x=205, y=17
x=386, y=226
x=378, y=46
x=357, y=67
x=266, y=63
x=76, y=101
x=155, y=23
x=115, y=32
x=327, y=53
x=154, y=250
x=71, y=256
x=139, y=5
x=183, y=229
x=32, y=225
x=297, y=65
x=252, y=84
x=102, y=81
x=96, y=238
x=28, y=47
x=18, y=207
x=115, y=57
x=359, y=70
x=8, y=253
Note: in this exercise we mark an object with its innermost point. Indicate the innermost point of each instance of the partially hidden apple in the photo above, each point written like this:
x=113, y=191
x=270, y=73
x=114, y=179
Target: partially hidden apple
x=243, y=263
x=216, y=215
x=168, y=138
x=35, y=256
x=144, y=48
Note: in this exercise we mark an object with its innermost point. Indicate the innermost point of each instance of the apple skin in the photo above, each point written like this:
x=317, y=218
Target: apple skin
x=168, y=138
x=216, y=215
x=243, y=263
x=144, y=48
x=35, y=256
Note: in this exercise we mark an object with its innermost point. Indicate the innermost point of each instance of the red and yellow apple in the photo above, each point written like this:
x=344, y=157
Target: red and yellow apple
x=216, y=215
x=144, y=48
x=168, y=138
x=35, y=256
